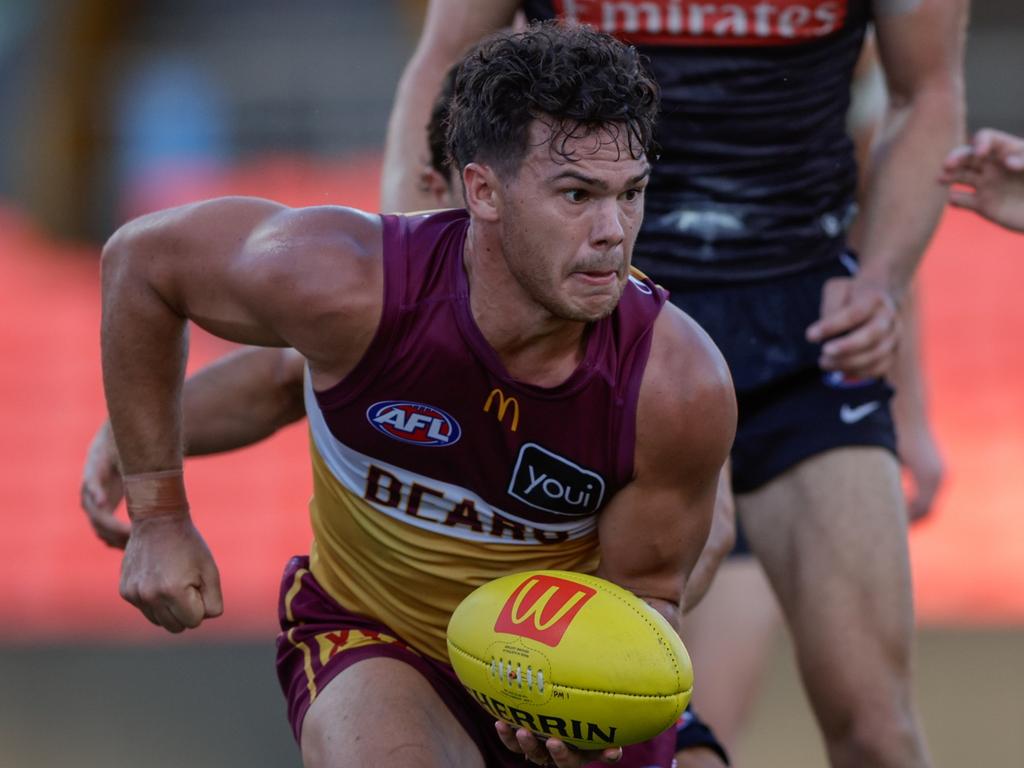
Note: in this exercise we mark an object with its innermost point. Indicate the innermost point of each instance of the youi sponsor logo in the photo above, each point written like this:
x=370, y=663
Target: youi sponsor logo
x=415, y=423
x=552, y=483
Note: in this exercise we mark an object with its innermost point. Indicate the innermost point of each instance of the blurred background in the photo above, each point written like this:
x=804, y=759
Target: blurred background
x=113, y=108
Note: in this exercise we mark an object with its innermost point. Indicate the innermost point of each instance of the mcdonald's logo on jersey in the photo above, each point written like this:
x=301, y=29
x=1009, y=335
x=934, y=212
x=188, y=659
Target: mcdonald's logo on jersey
x=542, y=608
x=504, y=404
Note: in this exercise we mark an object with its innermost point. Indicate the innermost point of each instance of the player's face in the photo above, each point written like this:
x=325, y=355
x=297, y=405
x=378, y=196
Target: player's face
x=568, y=226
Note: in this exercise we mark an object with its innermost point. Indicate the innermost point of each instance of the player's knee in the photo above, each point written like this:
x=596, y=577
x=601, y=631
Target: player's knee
x=322, y=740
x=313, y=755
x=314, y=748
x=894, y=744
x=876, y=735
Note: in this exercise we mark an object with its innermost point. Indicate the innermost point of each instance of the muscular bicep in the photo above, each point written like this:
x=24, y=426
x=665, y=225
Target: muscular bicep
x=187, y=256
x=256, y=272
x=653, y=531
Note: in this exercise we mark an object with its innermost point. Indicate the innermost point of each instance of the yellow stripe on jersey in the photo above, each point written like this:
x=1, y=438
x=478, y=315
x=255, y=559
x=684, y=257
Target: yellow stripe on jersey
x=293, y=590
x=307, y=656
x=332, y=643
x=411, y=577
x=307, y=663
x=638, y=274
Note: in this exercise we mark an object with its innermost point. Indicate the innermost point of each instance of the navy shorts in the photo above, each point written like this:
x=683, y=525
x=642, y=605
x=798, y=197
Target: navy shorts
x=789, y=408
x=319, y=639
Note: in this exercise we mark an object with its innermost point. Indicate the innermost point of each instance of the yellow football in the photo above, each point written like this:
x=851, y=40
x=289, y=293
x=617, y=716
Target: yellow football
x=570, y=656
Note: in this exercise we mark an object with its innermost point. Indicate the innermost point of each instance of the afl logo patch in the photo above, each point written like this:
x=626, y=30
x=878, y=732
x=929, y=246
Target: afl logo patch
x=414, y=423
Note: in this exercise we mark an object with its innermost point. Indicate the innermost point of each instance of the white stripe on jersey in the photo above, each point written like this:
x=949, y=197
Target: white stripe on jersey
x=389, y=489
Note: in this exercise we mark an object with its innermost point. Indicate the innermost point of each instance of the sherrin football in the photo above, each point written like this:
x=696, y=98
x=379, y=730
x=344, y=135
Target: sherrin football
x=570, y=656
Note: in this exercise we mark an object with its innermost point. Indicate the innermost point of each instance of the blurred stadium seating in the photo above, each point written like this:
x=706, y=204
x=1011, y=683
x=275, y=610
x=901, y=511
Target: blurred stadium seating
x=968, y=558
x=86, y=681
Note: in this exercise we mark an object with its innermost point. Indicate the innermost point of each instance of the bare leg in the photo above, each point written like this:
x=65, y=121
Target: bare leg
x=832, y=536
x=382, y=712
x=729, y=636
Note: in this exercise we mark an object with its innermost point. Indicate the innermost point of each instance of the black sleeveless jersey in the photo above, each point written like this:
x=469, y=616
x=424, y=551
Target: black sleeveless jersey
x=756, y=174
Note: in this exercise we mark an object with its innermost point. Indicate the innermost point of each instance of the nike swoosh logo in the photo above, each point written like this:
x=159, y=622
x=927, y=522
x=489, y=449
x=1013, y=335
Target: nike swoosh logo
x=851, y=415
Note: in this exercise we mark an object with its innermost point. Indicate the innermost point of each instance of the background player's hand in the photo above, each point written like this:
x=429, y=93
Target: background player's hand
x=923, y=468
x=102, y=490
x=990, y=171
x=858, y=328
x=169, y=574
x=552, y=751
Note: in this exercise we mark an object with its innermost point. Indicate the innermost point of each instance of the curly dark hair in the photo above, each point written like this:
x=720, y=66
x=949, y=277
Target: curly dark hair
x=582, y=79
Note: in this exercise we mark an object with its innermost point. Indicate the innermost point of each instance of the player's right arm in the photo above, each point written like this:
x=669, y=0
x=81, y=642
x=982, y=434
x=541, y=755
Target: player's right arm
x=920, y=44
x=248, y=270
x=235, y=401
x=450, y=28
x=918, y=449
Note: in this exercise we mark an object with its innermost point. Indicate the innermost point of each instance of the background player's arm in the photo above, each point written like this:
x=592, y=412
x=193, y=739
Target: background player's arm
x=918, y=450
x=243, y=398
x=450, y=27
x=653, y=531
x=233, y=402
x=922, y=55
x=921, y=50
x=251, y=271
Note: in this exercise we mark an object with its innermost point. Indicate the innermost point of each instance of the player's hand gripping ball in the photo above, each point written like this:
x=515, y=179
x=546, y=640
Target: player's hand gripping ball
x=571, y=656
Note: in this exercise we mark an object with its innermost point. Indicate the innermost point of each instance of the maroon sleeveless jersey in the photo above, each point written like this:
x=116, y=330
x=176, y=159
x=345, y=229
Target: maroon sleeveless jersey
x=432, y=397
x=434, y=470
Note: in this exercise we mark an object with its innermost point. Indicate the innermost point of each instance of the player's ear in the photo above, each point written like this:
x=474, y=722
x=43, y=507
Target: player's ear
x=435, y=185
x=482, y=191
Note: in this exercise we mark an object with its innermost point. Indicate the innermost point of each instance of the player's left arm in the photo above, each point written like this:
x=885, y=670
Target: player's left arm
x=654, y=529
x=921, y=45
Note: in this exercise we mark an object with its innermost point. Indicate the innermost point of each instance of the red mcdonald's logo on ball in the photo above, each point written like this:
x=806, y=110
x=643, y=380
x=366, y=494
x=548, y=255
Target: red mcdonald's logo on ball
x=542, y=608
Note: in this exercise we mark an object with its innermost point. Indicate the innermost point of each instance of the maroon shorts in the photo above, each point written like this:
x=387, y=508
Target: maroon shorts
x=319, y=639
